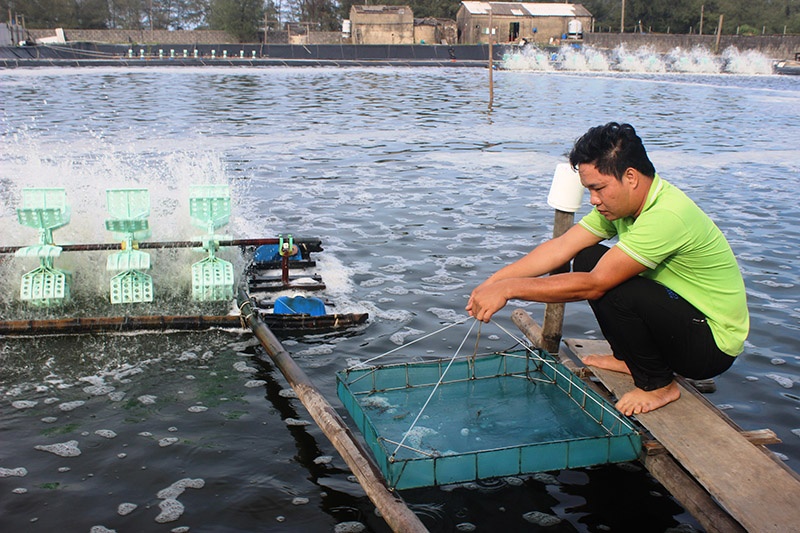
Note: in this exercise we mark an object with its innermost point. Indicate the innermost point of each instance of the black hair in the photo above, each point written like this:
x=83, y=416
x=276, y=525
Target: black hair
x=612, y=149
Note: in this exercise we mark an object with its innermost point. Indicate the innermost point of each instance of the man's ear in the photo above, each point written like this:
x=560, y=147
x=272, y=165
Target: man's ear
x=631, y=176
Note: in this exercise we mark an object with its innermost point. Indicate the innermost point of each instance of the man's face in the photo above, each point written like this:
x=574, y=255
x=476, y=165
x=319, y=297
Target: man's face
x=611, y=197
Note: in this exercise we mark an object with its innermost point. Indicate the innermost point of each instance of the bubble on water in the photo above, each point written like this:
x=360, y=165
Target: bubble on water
x=514, y=481
x=98, y=390
x=168, y=441
x=242, y=366
x=751, y=378
x=254, y=383
x=296, y=422
x=62, y=449
x=197, y=409
x=20, y=490
x=541, y=519
x=64, y=469
x=783, y=381
x=299, y=501
x=796, y=432
x=171, y=510
x=287, y=393
x=466, y=527
x=323, y=460
x=181, y=529
x=70, y=406
x=190, y=377
x=187, y=356
x=547, y=479
x=122, y=455
x=399, y=337
x=777, y=361
x=449, y=315
x=172, y=429
x=101, y=529
x=126, y=508
x=178, y=488
x=724, y=406
x=13, y=472
x=23, y=404
x=105, y=433
x=280, y=518
x=50, y=401
x=147, y=399
x=349, y=527
x=116, y=396
x=145, y=434
x=415, y=436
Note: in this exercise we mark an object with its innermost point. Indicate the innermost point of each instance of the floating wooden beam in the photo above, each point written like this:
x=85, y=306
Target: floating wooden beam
x=392, y=508
x=290, y=324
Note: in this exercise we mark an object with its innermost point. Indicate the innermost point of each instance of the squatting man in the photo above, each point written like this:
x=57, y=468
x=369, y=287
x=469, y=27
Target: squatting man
x=668, y=295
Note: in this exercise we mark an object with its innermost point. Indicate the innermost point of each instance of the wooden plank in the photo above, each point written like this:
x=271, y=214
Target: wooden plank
x=762, y=495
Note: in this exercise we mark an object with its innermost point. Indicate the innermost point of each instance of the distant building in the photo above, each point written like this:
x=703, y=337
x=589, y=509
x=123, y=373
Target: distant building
x=514, y=22
x=381, y=24
x=435, y=31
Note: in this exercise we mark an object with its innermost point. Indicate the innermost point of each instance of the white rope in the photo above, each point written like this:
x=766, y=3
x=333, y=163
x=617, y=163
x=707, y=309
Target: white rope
x=365, y=363
x=435, y=387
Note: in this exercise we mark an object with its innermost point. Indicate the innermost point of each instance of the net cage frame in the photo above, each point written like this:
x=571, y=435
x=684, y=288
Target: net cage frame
x=620, y=441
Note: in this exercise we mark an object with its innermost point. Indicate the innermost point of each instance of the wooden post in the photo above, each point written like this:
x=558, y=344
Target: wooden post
x=554, y=313
x=719, y=34
x=491, y=60
x=392, y=508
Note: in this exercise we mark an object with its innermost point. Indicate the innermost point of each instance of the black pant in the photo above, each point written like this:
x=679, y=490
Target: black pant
x=655, y=331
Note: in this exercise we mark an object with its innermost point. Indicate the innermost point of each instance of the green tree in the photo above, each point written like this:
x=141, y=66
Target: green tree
x=240, y=18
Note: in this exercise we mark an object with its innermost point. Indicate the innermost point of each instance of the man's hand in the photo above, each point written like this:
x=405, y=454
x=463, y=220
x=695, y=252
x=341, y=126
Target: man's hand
x=486, y=300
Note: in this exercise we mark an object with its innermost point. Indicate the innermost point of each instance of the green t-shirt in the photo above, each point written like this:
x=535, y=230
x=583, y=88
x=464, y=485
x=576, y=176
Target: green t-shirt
x=686, y=252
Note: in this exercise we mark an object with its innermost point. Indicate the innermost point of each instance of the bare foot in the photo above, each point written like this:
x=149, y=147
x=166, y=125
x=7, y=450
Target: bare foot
x=609, y=362
x=642, y=401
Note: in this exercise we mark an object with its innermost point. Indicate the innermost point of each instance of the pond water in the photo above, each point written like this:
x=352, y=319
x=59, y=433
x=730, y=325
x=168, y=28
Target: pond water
x=419, y=189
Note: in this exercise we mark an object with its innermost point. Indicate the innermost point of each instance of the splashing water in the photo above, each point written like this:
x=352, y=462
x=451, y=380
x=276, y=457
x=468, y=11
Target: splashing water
x=698, y=60
x=85, y=176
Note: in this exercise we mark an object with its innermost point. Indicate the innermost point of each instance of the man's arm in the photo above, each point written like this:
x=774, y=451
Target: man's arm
x=613, y=268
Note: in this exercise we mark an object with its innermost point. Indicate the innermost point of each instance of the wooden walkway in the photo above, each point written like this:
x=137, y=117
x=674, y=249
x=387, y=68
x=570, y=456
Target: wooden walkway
x=728, y=481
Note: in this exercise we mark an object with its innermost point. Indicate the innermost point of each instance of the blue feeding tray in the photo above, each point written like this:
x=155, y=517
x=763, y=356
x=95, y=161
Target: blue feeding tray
x=299, y=305
x=494, y=415
x=268, y=253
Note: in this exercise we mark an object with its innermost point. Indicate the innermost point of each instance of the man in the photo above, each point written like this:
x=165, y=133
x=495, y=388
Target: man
x=668, y=296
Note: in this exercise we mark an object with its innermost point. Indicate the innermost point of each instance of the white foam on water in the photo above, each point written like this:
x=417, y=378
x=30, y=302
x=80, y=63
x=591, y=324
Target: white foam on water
x=171, y=510
x=179, y=487
x=106, y=433
x=296, y=422
x=696, y=60
x=147, y=399
x=541, y=519
x=167, y=441
x=13, y=472
x=62, y=449
x=125, y=509
x=255, y=383
x=197, y=409
x=349, y=527
x=71, y=406
x=24, y=404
